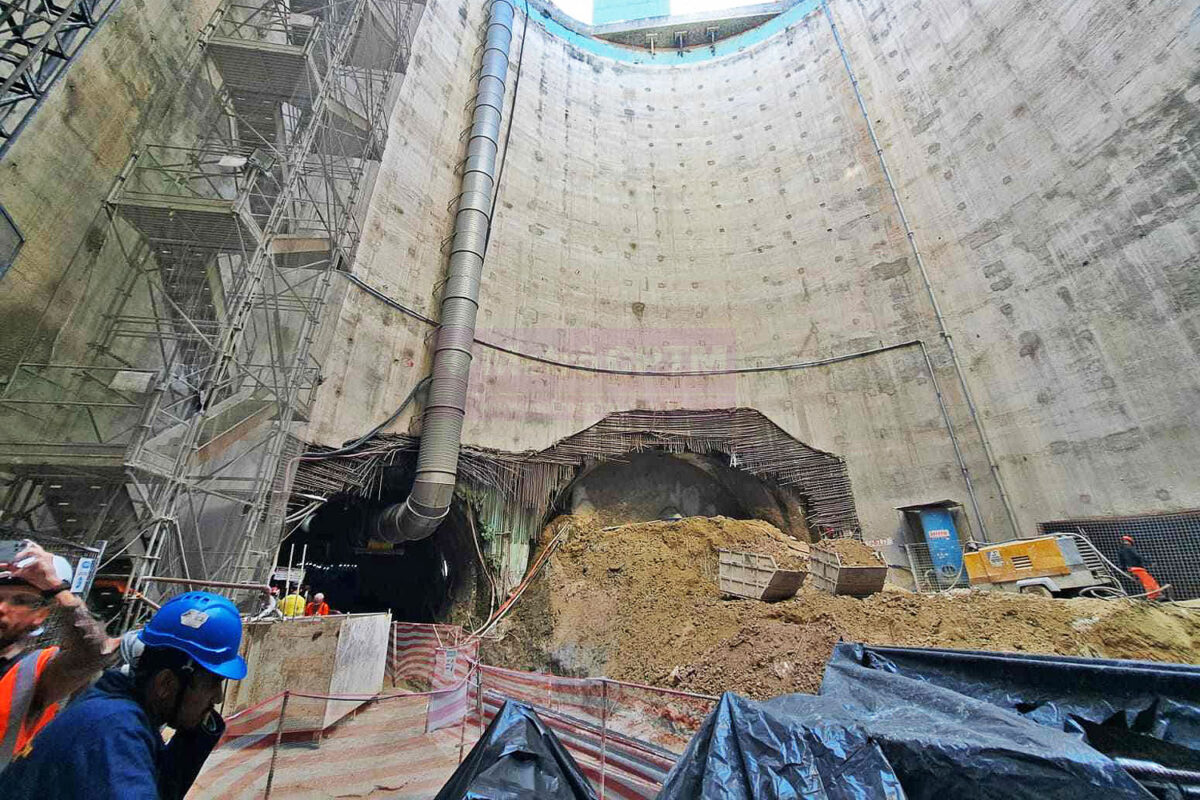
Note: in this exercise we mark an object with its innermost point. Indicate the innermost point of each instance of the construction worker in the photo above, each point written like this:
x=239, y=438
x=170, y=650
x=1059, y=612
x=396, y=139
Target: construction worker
x=292, y=605
x=318, y=607
x=271, y=608
x=106, y=744
x=34, y=585
x=1132, y=562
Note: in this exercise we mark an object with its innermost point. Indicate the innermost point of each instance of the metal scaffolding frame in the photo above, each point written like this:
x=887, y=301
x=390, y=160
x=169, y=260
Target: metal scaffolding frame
x=38, y=41
x=175, y=435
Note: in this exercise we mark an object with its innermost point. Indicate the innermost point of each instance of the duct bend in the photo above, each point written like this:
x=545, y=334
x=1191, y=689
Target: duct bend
x=441, y=428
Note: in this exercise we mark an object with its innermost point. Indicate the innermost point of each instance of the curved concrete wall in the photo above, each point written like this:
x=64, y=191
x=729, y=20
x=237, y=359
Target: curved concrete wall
x=733, y=213
x=1049, y=157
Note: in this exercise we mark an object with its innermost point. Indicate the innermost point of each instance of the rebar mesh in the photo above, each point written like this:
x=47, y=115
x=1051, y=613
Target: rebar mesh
x=1170, y=543
x=513, y=493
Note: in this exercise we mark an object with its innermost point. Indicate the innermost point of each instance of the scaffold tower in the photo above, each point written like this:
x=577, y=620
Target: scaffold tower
x=171, y=434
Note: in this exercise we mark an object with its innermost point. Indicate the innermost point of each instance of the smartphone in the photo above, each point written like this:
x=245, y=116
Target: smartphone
x=9, y=549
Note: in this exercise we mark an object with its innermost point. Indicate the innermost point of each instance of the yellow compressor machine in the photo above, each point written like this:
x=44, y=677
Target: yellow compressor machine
x=1058, y=565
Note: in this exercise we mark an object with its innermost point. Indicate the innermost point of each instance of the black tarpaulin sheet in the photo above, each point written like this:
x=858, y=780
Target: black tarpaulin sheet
x=517, y=758
x=877, y=733
x=747, y=750
x=1155, y=699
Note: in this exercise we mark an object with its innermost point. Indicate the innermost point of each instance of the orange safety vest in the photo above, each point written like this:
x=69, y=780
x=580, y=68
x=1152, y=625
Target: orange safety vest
x=17, y=688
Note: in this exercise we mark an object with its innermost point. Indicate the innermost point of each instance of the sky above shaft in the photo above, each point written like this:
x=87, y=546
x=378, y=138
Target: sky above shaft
x=582, y=9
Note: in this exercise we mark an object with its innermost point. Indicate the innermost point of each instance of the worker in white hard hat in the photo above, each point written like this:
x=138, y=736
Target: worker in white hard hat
x=317, y=607
x=35, y=584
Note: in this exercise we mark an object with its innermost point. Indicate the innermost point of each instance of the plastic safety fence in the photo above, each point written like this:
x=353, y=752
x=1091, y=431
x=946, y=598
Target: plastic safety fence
x=624, y=737
x=412, y=650
x=451, y=668
x=387, y=743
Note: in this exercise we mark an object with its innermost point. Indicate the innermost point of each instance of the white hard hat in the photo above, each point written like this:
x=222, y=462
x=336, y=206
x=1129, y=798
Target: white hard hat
x=318, y=597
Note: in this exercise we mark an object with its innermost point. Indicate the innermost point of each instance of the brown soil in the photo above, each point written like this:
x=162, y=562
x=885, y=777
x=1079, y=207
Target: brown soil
x=852, y=552
x=641, y=603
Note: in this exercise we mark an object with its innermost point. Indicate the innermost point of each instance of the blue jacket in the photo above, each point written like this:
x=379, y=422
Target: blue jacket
x=103, y=746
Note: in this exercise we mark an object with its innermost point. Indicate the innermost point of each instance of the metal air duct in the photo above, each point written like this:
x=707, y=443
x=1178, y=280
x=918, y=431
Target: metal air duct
x=441, y=428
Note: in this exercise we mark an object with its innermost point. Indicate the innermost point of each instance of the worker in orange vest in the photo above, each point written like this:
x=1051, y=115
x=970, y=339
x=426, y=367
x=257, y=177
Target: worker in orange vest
x=33, y=585
x=1133, y=562
x=317, y=607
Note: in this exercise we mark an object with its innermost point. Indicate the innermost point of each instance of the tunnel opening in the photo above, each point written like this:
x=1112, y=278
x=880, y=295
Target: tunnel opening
x=632, y=466
x=431, y=580
x=658, y=485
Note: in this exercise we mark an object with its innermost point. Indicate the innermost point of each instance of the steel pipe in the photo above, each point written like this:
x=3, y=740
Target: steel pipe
x=441, y=426
x=253, y=587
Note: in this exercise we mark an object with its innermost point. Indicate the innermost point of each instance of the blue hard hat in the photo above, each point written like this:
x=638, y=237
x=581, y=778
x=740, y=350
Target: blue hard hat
x=203, y=625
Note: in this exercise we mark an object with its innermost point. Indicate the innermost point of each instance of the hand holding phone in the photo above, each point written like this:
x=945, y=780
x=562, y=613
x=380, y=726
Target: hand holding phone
x=31, y=564
x=8, y=551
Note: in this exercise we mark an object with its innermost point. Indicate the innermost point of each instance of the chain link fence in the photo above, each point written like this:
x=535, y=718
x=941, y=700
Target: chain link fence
x=928, y=576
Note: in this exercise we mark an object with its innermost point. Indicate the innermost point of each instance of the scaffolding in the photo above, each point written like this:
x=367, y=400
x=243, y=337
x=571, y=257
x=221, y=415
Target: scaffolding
x=38, y=41
x=173, y=437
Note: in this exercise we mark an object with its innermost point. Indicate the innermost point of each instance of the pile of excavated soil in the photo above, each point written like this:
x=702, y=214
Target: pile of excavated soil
x=641, y=603
x=852, y=552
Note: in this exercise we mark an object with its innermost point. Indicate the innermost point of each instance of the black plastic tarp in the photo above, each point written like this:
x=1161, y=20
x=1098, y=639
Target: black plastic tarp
x=517, y=758
x=747, y=750
x=1158, y=700
x=904, y=723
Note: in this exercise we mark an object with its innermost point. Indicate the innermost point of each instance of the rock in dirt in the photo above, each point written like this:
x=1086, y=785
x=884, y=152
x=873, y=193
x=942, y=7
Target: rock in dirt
x=661, y=619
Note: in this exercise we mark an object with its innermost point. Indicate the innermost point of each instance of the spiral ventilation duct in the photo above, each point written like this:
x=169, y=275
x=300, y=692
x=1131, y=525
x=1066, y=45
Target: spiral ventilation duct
x=441, y=430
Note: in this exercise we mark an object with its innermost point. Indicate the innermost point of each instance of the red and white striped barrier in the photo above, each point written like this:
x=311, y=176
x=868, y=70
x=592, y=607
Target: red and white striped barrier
x=625, y=737
x=413, y=647
x=452, y=666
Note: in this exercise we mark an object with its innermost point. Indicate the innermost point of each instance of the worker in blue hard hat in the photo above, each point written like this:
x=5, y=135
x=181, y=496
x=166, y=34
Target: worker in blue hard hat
x=106, y=745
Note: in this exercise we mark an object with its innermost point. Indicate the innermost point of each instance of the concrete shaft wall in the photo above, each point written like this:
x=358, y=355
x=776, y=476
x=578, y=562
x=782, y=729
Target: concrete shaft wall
x=1048, y=156
x=733, y=213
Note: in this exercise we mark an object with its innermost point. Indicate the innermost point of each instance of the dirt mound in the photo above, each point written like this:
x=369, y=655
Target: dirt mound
x=641, y=603
x=852, y=552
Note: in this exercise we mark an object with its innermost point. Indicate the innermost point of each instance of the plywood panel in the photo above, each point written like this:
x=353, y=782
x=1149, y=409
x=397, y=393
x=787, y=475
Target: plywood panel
x=360, y=660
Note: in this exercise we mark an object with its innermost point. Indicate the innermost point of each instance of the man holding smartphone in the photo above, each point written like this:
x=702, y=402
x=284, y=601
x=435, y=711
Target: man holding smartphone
x=33, y=585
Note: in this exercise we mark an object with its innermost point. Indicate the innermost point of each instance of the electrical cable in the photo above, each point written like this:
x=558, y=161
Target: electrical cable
x=487, y=573
x=694, y=373
x=350, y=448
x=529, y=576
x=1081, y=535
